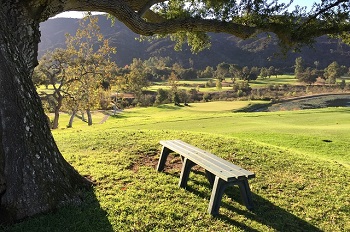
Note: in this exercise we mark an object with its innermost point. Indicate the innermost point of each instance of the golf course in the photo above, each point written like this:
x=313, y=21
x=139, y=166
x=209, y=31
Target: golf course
x=300, y=158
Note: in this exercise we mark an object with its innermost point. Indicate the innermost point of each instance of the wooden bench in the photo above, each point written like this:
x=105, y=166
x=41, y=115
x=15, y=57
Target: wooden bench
x=219, y=172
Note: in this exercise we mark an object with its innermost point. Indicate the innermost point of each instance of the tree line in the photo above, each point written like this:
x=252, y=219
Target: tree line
x=329, y=75
x=83, y=76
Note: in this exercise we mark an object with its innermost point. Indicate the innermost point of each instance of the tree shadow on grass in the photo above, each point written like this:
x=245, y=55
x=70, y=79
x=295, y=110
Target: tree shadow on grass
x=88, y=217
x=264, y=212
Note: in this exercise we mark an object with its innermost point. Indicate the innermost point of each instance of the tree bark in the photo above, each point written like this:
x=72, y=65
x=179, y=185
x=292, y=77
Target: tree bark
x=56, y=118
x=70, y=124
x=88, y=112
x=34, y=177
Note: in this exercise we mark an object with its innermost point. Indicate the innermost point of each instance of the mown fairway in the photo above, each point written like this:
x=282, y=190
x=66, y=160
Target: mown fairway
x=322, y=133
x=301, y=160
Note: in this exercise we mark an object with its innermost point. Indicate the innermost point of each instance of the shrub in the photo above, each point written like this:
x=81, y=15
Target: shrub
x=207, y=97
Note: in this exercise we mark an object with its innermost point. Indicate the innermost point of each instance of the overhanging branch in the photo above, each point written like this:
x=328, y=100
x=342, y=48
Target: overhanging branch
x=128, y=13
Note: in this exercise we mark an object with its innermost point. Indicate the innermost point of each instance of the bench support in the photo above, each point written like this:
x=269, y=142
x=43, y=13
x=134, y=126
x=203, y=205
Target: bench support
x=219, y=189
x=246, y=193
x=218, y=184
x=210, y=177
x=185, y=172
x=163, y=156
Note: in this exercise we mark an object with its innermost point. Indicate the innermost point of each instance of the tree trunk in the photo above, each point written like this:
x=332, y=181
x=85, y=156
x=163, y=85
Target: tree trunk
x=34, y=177
x=83, y=116
x=70, y=124
x=88, y=112
x=59, y=100
x=56, y=118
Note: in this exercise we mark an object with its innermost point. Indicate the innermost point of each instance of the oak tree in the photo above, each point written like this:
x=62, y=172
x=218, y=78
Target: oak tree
x=332, y=72
x=34, y=177
x=52, y=67
x=90, y=64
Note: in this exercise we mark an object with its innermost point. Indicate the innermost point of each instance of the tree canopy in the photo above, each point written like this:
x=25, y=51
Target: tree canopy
x=189, y=20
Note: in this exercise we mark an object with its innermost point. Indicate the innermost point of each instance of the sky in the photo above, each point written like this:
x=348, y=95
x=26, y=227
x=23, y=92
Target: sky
x=77, y=14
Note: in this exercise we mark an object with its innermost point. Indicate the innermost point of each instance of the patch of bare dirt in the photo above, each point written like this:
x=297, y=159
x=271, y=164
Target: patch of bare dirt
x=173, y=163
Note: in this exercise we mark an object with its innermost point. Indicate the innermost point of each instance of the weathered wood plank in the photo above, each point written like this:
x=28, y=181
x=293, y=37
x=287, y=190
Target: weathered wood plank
x=219, y=172
x=216, y=165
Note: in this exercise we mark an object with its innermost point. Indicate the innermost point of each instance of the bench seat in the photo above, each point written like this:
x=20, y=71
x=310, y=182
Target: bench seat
x=219, y=172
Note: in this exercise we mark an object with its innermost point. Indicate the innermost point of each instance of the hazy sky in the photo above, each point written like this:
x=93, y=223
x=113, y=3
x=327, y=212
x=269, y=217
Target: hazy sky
x=76, y=14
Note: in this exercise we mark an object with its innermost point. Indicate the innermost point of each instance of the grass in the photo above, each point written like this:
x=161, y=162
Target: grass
x=321, y=133
x=279, y=80
x=301, y=181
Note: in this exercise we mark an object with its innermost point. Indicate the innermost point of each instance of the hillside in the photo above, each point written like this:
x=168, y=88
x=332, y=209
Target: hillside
x=260, y=51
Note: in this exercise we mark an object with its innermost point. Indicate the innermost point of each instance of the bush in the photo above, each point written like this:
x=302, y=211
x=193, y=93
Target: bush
x=162, y=96
x=207, y=97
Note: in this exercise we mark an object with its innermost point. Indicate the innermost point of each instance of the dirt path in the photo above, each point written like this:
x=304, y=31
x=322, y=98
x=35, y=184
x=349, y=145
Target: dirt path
x=104, y=119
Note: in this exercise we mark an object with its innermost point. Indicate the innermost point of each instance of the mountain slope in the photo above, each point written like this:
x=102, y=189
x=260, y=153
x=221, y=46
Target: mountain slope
x=258, y=51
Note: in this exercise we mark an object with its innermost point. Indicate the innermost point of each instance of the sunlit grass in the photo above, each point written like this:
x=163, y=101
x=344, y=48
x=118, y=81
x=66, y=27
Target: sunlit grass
x=300, y=159
x=279, y=80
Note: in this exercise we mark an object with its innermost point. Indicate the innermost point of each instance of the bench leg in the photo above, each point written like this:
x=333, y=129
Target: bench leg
x=162, y=159
x=216, y=195
x=246, y=193
x=211, y=177
x=185, y=172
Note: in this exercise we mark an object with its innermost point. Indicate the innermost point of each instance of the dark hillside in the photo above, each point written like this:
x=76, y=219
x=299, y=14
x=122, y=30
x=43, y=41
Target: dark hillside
x=260, y=51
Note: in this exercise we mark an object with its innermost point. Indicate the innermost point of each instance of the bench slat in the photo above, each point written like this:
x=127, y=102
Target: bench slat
x=223, y=163
x=203, y=158
x=216, y=165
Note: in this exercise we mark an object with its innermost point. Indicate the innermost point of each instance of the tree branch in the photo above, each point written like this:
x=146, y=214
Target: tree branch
x=126, y=12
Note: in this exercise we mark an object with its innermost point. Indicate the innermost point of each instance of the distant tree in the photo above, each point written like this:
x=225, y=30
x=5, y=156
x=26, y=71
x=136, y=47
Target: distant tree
x=245, y=73
x=177, y=69
x=183, y=96
x=90, y=63
x=252, y=76
x=136, y=81
x=162, y=96
x=173, y=82
x=263, y=72
x=52, y=70
x=218, y=84
x=254, y=73
x=176, y=99
x=272, y=71
x=298, y=67
x=236, y=72
x=188, y=74
x=309, y=76
x=193, y=95
x=332, y=72
x=342, y=84
x=222, y=70
x=208, y=72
